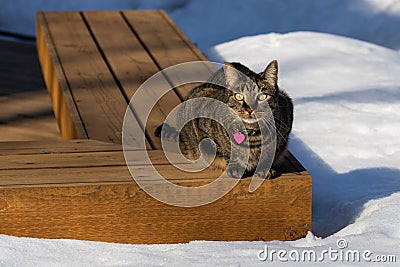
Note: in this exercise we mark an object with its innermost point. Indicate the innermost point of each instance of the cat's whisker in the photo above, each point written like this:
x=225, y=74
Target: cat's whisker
x=269, y=123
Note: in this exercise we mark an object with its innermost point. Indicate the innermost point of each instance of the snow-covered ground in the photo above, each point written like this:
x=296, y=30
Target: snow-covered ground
x=209, y=22
x=346, y=131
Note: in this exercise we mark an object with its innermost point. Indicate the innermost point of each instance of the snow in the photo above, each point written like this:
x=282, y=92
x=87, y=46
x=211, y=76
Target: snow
x=372, y=20
x=208, y=22
x=346, y=131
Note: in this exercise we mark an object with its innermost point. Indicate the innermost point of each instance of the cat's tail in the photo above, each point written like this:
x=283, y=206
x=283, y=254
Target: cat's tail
x=167, y=132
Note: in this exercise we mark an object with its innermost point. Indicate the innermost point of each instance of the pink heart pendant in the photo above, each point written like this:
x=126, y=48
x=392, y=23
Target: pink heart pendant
x=239, y=137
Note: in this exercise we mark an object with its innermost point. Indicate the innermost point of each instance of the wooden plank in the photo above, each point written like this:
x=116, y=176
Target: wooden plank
x=67, y=171
x=69, y=161
x=166, y=45
x=65, y=111
x=79, y=159
x=131, y=66
x=162, y=38
x=73, y=173
x=101, y=174
x=63, y=176
x=40, y=161
x=54, y=147
x=98, y=98
x=124, y=213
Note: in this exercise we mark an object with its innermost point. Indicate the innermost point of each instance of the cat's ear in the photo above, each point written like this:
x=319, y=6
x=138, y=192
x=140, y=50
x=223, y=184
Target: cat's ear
x=271, y=73
x=231, y=74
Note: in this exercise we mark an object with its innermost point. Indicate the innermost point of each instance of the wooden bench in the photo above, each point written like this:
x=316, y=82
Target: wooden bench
x=93, y=62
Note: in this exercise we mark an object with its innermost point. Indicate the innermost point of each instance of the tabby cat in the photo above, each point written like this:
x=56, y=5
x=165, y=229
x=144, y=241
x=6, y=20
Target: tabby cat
x=249, y=94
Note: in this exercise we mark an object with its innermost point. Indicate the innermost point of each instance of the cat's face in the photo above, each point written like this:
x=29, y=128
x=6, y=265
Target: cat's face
x=252, y=95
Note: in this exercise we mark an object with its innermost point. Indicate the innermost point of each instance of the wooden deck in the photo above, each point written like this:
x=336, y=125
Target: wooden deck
x=92, y=63
x=83, y=190
x=110, y=69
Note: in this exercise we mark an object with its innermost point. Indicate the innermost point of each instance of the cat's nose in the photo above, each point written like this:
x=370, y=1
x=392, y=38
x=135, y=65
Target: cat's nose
x=248, y=107
x=249, y=110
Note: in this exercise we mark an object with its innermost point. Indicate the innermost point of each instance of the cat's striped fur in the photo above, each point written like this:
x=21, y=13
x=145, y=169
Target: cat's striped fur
x=249, y=94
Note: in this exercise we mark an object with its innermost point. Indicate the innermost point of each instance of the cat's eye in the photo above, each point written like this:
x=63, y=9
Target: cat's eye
x=262, y=97
x=239, y=97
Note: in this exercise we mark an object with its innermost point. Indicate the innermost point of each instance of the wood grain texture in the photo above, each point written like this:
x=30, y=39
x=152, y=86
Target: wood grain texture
x=81, y=193
x=97, y=96
x=65, y=110
x=79, y=159
x=124, y=213
x=95, y=68
x=55, y=147
x=132, y=66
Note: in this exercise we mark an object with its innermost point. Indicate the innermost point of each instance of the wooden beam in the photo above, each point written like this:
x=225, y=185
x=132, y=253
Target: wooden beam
x=122, y=212
x=78, y=192
x=65, y=110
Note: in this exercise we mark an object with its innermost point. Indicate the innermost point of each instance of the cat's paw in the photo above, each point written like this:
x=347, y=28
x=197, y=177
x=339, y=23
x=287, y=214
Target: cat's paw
x=235, y=171
x=267, y=174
